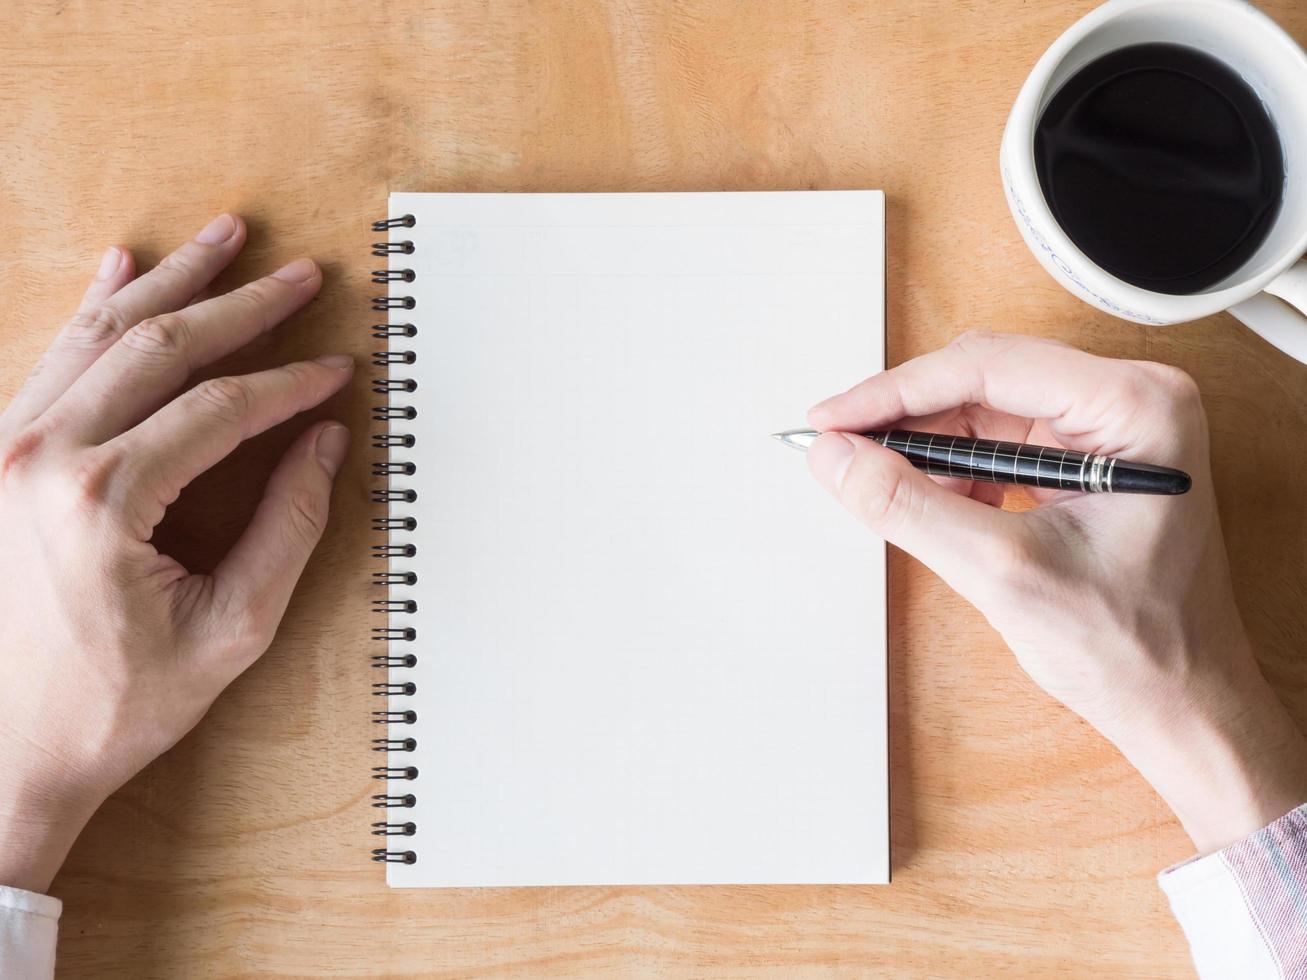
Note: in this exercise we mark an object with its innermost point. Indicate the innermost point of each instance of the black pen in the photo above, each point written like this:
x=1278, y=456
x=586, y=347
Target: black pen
x=1016, y=462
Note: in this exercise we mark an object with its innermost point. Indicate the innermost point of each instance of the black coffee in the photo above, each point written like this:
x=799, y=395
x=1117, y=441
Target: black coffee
x=1162, y=165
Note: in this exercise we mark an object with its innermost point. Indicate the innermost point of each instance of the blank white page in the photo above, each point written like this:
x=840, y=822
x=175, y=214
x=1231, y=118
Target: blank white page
x=650, y=649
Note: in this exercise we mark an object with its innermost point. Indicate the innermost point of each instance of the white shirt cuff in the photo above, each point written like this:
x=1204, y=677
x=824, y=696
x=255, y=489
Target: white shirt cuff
x=29, y=926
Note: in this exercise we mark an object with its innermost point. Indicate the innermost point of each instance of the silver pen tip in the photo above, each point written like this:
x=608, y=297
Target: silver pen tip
x=799, y=439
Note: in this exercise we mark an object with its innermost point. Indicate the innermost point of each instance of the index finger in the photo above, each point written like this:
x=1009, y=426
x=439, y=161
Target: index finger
x=1087, y=400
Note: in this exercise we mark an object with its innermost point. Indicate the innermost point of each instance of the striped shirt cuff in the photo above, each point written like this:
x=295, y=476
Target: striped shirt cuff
x=1244, y=908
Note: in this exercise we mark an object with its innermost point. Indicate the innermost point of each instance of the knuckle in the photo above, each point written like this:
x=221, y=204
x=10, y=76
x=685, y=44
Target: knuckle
x=1176, y=384
x=257, y=294
x=95, y=330
x=1131, y=389
x=301, y=373
x=158, y=336
x=1016, y=569
x=981, y=340
x=177, y=263
x=228, y=398
x=242, y=623
x=251, y=303
x=1181, y=420
x=1009, y=561
x=249, y=630
x=972, y=336
x=19, y=452
x=91, y=478
x=306, y=516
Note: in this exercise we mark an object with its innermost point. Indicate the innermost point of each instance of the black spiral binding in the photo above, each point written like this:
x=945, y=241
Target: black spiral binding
x=393, y=776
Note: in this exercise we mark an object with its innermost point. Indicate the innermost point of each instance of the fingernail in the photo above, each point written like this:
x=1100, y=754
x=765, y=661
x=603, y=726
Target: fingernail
x=301, y=270
x=109, y=263
x=217, y=231
x=333, y=444
x=341, y=362
x=829, y=458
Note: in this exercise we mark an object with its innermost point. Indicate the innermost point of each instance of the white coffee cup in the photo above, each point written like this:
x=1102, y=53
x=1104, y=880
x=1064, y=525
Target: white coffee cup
x=1269, y=291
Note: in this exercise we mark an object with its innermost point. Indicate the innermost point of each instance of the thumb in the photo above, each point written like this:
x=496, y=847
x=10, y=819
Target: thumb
x=954, y=536
x=252, y=586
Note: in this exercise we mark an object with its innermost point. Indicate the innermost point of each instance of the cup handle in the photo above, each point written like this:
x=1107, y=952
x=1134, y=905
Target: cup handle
x=1279, y=314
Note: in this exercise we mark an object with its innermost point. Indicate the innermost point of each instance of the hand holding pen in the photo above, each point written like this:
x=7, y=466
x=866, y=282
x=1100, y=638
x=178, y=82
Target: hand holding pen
x=1120, y=608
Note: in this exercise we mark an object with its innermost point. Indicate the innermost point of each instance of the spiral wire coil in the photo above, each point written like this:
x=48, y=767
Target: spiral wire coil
x=385, y=468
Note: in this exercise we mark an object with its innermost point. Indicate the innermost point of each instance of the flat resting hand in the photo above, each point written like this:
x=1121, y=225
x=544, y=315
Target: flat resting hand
x=1121, y=607
x=111, y=651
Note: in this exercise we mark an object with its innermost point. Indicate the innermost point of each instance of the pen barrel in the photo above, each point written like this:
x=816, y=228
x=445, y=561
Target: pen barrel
x=990, y=461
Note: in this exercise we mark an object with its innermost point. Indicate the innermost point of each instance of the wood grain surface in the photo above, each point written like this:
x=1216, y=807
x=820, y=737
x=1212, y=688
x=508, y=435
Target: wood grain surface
x=1023, y=844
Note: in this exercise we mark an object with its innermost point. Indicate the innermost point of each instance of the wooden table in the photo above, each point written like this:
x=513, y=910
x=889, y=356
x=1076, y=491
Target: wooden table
x=1022, y=842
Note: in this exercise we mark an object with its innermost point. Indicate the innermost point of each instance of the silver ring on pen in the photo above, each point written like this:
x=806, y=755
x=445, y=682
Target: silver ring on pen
x=1096, y=471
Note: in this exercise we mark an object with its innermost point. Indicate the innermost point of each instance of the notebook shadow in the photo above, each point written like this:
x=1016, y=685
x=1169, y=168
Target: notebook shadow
x=903, y=835
x=902, y=796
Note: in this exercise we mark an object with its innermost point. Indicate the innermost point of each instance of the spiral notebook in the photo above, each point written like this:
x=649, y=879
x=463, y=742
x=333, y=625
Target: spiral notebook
x=627, y=639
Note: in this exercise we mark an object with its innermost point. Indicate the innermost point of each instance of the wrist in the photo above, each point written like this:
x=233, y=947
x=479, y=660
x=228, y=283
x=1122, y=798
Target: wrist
x=38, y=826
x=1222, y=751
